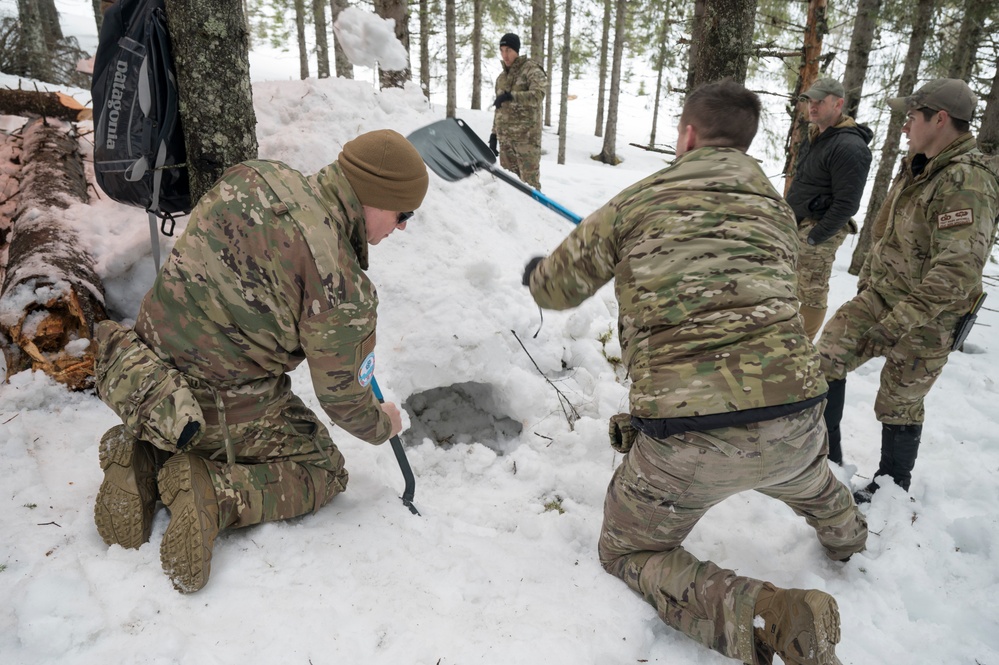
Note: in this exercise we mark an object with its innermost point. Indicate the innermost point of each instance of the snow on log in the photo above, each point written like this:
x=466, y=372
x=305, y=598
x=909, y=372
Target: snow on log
x=51, y=295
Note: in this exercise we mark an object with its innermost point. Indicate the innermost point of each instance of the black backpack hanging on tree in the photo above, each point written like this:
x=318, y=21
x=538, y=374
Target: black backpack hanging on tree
x=139, y=156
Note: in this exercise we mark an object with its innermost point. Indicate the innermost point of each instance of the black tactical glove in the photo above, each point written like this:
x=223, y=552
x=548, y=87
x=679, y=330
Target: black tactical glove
x=492, y=144
x=502, y=98
x=529, y=268
x=877, y=341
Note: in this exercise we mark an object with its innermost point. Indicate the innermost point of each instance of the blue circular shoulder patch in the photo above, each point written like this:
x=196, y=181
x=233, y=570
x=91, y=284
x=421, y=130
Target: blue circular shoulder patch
x=367, y=370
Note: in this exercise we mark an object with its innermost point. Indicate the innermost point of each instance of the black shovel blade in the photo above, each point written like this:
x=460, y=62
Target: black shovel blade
x=451, y=149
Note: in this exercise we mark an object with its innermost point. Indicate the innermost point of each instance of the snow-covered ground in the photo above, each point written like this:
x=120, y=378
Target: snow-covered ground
x=490, y=573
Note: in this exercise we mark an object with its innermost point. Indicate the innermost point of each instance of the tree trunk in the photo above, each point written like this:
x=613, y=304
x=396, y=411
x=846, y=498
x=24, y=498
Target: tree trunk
x=216, y=103
x=988, y=133
x=452, y=70
x=660, y=64
x=303, y=49
x=602, y=75
x=563, y=105
x=550, y=62
x=425, y=47
x=50, y=23
x=922, y=24
x=538, y=31
x=33, y=55
x=477, y=54
x=98, y=14
x=608, y=154
x=322, y=45
x=815, y=29
x=344, y=68
x=399, y=11
x=723, y=33
x=859, y=56
x=51, y=295
x=970, y=36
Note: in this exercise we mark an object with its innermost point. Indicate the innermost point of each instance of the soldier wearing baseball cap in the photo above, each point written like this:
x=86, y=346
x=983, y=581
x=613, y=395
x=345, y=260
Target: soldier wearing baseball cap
x=922, y=276
x=950, y=95
x=826, y=187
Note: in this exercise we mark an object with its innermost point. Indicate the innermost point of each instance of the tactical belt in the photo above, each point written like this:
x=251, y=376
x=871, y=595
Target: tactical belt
x=663, y=428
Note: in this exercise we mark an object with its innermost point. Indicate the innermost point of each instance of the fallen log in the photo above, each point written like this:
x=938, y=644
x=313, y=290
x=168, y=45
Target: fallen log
x=35, y=103
x=51, y=295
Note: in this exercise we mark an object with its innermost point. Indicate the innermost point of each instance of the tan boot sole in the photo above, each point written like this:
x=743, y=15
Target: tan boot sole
x=186, y=550
x=126, y=500
x=825, y=615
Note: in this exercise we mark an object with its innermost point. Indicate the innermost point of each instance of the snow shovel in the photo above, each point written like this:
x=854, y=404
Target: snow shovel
x=400, y=456
x=453, y=151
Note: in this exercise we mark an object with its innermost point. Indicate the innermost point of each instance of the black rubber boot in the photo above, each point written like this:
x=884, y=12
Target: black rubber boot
x=832, y=415
x=899, y=447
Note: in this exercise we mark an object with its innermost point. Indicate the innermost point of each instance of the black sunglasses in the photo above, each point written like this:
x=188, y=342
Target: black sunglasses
x=403, y=217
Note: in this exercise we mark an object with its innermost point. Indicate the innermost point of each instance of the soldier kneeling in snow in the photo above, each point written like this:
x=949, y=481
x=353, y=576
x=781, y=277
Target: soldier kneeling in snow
x=270, y=272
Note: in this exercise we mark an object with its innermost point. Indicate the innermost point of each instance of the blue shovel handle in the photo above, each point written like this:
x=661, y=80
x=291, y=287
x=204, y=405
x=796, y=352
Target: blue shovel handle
x=400, y=456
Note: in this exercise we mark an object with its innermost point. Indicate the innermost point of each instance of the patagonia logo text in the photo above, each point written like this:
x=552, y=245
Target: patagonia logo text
x=955, y=218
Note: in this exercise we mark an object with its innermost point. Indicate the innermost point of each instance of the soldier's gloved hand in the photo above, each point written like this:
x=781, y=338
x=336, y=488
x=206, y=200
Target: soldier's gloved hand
x=877, y=341
x=502, y=98
x=529, y=268
x=492, y=144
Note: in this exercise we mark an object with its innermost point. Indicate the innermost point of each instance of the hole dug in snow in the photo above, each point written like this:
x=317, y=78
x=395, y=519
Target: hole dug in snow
x=460, y=413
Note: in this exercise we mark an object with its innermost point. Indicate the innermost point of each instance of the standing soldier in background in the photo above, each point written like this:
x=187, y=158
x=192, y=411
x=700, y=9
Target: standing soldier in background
x=826, y=190
x=726, y=391
x=520, y=89
x=922, y=276
x=269, y=272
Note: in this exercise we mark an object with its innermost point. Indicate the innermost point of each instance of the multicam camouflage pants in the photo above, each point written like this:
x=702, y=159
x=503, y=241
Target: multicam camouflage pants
x=524, y=159
x=286, y=464
x=912, y=365
x=815, y=265
x=663, y=488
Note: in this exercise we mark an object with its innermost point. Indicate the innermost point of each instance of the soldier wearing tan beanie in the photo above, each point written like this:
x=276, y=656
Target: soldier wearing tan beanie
x=385, y=171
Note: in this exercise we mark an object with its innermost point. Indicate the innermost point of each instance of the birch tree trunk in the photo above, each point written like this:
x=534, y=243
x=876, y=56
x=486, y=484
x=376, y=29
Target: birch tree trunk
x=322, y=45
x=815, y=29
x=216, y=103
x=859, y=55
x=563, y=106
x=608, y=154
x=51, y=296
x=922, y=24
x=602, y=75
x=344, y=68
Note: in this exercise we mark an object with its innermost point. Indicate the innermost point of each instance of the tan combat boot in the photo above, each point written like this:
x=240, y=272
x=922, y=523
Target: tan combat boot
x=126, y=500
x=186, y=551
x=801, y=626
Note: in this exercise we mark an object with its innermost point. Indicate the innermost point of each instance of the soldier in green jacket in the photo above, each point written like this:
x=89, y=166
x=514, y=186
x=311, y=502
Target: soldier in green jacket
x=726, y=390
x=923, y=274
x=269, y=272
x=520, y=89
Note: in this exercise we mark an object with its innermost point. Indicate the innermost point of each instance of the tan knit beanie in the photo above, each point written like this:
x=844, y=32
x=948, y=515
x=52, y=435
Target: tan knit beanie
x=385, y=171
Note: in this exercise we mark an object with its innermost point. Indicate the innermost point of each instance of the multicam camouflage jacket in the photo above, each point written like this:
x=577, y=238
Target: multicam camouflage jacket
x=940, y=225
x=519, y=121
x=702, y=255
x=270, y=272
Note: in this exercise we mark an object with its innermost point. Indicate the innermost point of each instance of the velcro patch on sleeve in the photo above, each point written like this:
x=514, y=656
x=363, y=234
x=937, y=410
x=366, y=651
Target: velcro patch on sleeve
x=955, y=218
x=366, y=370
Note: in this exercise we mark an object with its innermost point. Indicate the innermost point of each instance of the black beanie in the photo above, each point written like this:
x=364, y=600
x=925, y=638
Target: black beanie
x=511, y=40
